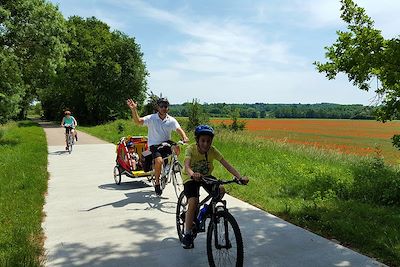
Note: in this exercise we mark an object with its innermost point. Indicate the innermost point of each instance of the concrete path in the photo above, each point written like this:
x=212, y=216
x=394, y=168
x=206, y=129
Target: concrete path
x=91, y=221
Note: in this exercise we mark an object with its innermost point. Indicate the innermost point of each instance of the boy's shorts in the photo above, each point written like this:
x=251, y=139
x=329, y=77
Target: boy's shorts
x=192, y=188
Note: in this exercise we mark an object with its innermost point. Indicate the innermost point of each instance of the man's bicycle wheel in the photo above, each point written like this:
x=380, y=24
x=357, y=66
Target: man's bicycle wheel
x=224, y=241
x=176, y=176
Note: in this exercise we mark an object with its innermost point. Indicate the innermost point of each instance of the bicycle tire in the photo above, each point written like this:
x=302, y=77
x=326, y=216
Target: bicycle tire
x=117, y=175
x=181, y=208
x=224, y=219
x=177, y=180
x=70, y=143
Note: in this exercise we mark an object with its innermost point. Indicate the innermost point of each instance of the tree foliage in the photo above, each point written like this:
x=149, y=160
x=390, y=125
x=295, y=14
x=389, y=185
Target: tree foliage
x=363, y=54
x=196, y=114
x=262, y=110
x=32, y=34
x=10, y=86
x=103, y=69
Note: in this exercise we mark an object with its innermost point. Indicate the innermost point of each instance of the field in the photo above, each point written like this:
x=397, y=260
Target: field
x=360, y=137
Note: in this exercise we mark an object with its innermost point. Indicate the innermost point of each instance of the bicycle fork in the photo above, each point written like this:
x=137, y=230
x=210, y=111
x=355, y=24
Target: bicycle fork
x=215, y=222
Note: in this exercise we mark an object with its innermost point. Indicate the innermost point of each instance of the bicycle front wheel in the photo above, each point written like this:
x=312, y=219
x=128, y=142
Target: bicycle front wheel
x=70, y=143
x=177, y=181
x=224, y=241
x=181, y=208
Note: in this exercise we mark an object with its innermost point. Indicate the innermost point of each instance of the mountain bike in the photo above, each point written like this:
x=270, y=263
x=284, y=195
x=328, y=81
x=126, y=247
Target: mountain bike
x=224, y=240
x=69, y=137
x=172, y=169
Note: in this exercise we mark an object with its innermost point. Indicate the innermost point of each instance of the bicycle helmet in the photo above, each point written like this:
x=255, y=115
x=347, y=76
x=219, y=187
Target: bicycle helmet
x=67, y=112
x=203, y=130
x=129, y=144
x=162, y=100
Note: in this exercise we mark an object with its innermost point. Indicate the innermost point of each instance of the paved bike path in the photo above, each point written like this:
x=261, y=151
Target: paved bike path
x=90, y=221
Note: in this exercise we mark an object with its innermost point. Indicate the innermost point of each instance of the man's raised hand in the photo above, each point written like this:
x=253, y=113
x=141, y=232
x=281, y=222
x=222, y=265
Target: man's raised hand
x=131, y=104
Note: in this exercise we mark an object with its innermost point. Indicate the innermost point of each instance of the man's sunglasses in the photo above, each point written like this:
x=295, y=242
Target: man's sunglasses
x=163, y=106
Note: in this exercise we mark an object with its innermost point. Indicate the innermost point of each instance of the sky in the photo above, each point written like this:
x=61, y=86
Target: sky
x=258, y=51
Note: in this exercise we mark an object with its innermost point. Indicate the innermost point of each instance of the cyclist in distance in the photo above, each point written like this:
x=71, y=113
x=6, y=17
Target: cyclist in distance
x=160, y=125
x=199, y=159
x=69, y=120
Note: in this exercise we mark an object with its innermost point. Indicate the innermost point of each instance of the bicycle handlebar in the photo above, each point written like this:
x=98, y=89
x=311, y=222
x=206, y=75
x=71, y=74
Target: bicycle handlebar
x=213, y=180
x=165, y=144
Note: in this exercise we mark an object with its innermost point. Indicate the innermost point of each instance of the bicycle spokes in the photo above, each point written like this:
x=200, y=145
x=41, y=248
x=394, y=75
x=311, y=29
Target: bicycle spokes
x=224, y=241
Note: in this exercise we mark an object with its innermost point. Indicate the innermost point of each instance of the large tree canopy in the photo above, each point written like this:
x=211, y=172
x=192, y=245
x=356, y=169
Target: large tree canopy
x=31, y=34
x=363, y=54
x=103, y=69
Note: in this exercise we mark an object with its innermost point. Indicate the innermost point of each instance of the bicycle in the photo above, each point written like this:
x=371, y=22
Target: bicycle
x=172, y=169
x=224, y=240
x=69, y=137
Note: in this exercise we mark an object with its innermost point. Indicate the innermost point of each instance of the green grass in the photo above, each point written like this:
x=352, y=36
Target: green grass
x=23, y=183
x=355, y=200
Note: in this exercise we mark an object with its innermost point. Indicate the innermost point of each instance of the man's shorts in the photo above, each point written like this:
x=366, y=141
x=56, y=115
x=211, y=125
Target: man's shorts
x=192, y=188
x=163, y=152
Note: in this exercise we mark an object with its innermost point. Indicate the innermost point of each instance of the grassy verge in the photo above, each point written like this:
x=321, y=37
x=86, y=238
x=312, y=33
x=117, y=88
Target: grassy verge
x=355, y=200
x=23, y=183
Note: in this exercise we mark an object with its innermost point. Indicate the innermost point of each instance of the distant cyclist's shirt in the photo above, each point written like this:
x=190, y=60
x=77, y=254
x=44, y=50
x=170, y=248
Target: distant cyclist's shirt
x=160, y=130
x=69, y=121
x=201, y=163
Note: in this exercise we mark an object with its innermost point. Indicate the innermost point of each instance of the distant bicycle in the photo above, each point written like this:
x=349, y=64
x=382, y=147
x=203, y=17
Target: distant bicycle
x=172, y=169
x=224, y=240
x=69, y=137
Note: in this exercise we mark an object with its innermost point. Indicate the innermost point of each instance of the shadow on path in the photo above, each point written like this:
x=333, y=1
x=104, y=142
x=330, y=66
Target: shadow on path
x=125, y=186
x=142, y=197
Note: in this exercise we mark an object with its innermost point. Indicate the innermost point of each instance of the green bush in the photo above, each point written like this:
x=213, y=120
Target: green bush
x=375, y=182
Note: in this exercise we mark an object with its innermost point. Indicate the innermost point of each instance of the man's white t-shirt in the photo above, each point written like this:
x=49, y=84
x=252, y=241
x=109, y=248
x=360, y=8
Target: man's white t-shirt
x=159, y=130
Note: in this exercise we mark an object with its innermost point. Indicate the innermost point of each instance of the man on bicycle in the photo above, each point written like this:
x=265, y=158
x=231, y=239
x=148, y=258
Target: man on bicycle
x=199, y=159
x=160, y=125
x=69, y=121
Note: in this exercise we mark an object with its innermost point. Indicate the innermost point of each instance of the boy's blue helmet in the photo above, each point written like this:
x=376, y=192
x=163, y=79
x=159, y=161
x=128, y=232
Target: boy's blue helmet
x=203, y=130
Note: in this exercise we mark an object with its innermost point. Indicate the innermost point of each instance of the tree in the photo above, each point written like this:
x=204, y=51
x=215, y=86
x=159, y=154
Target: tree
x=196, y=114
x=362, y=53
x=103, y=69
x=33, y=31
x=11, y=89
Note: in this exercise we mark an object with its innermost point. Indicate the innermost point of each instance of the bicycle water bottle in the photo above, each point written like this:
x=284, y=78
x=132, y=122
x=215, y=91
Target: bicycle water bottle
x=201, y=218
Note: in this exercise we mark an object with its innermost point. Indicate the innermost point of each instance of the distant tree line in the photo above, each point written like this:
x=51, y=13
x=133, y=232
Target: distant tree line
x=261, y=110
x=75, y=63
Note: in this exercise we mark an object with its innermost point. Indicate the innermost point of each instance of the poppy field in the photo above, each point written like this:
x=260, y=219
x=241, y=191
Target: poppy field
x=360, y=137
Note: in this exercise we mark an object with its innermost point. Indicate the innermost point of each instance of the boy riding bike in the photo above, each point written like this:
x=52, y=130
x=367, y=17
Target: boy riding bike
x=69, y=121
x=199, y=159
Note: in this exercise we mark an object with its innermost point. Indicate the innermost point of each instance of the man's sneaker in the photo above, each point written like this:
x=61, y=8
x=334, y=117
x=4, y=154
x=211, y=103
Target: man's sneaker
x=158, y=189
x=187, y=241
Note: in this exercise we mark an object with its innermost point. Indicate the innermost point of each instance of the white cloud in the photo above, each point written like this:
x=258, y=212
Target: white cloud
x=221, y=46
x=323, y=14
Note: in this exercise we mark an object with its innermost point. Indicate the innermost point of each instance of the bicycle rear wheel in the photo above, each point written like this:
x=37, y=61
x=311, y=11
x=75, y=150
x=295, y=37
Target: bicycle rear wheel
x=224, y=241
x=70, y=143
x=176, y=175
x=181, y=209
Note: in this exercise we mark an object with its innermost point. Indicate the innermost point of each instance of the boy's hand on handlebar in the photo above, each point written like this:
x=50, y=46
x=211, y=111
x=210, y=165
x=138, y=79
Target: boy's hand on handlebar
x=197, y=176
x=185, y=140
x=243, y=180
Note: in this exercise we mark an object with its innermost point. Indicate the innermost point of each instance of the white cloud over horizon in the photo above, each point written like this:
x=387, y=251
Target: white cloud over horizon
x=236, y=52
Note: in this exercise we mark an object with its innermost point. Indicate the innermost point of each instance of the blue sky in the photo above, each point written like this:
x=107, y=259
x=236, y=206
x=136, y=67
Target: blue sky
x=238, y=51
